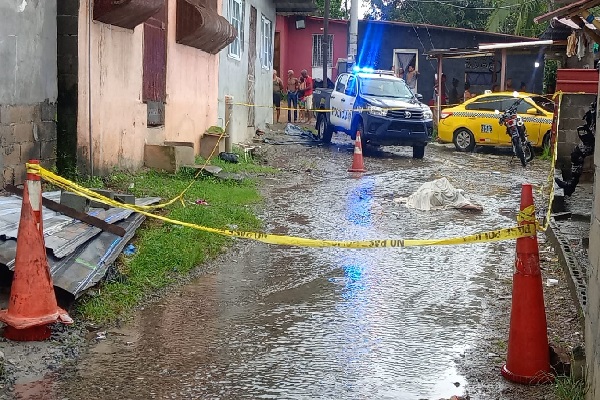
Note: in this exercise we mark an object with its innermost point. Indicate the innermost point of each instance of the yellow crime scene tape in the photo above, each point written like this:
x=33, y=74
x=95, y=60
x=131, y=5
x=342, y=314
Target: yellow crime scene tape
x=525, y=230
x=325, y=110
x=489, y=236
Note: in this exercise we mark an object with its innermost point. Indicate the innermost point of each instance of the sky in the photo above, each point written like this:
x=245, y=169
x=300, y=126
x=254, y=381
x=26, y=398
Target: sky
x=362, y=9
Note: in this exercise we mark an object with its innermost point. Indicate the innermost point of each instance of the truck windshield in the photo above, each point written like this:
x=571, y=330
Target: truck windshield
x=385, y=88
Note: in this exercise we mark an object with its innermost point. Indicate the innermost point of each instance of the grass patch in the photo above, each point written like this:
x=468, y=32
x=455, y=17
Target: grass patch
x=568, y=388
x=166, y=251
x=546, y=154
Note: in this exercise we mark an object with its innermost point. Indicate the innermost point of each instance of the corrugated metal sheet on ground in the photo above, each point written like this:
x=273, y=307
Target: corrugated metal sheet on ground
x=62, y=234
x=80, y=254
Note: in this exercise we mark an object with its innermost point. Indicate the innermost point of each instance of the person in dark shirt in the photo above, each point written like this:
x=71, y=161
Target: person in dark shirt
x=453, y=98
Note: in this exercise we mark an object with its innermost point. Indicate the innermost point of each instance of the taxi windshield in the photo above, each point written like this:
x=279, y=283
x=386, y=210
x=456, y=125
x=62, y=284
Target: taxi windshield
x=385, y=88
x=544, y=103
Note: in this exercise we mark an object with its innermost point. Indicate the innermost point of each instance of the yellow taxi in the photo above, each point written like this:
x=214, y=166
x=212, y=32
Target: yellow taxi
x=475, y=121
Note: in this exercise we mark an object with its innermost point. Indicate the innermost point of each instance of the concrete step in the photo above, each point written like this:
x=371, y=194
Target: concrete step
x=169, y=157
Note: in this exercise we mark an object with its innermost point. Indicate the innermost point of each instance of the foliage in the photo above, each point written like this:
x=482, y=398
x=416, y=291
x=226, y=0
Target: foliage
x=516, y=17
x=336, y=10
x=550, y=67
x=467, y=14
x=546, y=154
x=504, y=16
x=568, y=388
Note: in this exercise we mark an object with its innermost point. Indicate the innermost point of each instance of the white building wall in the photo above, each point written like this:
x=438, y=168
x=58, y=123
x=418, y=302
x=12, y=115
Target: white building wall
x=233, y=75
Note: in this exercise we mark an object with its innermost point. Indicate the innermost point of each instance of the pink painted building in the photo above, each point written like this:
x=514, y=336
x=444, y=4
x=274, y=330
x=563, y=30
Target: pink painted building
x=298, y=45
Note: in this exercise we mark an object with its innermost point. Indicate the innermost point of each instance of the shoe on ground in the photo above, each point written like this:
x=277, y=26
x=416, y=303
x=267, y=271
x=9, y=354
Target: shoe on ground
x=568, y=187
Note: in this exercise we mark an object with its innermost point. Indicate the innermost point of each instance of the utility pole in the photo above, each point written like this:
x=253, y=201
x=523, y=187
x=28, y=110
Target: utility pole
x=325, y=42
x=353, y=42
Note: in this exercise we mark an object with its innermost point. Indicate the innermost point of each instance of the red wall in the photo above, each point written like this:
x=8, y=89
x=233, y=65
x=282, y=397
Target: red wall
x=296, y=44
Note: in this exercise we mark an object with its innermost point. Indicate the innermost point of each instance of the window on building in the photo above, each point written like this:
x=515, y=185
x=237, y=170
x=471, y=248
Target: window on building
x=235, y=16
x=317, y=51
x=266, y=51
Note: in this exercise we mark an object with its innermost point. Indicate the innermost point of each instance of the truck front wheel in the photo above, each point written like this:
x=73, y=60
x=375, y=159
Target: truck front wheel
x=418, y=152
x=324, y=129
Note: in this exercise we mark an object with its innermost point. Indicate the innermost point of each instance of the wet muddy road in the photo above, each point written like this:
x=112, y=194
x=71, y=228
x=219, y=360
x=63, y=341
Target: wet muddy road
x=298, y=323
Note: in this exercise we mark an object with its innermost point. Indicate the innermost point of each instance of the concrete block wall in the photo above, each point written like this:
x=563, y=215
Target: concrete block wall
x=67, y=61
x=592, y=313
x=28, y=86
x=26, y=132
x=573, y=107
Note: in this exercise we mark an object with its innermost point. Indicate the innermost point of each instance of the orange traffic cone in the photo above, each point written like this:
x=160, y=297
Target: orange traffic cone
x=528, y=359
x=32, y=304
x=358, y=164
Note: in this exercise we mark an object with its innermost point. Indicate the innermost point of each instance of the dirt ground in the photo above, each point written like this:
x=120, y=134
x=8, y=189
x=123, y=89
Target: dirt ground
x=24, y=364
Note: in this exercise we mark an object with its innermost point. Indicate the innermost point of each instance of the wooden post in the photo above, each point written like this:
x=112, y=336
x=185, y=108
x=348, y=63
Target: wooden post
x=325, y=42
x=503, y=71
x=228, y=129
x=439, y=87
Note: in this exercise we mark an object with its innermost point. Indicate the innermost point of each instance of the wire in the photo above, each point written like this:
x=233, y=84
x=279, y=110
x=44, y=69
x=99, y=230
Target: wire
x=446, y=3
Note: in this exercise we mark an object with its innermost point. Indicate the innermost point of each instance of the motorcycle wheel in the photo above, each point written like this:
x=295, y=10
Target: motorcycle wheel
x=519, y=150
x=528, y=150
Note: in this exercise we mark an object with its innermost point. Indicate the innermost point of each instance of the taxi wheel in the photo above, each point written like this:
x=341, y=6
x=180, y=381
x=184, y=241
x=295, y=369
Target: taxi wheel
x=546, y=141
x=464, y=140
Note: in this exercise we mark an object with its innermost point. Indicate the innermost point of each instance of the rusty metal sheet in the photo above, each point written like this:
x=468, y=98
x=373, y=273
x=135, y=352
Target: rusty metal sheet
x=154, y=82
x=202, y=27
x=126, y=13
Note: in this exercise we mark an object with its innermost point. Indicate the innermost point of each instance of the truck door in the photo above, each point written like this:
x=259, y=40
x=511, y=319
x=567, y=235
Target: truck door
x=338, y=100
x=348, y=101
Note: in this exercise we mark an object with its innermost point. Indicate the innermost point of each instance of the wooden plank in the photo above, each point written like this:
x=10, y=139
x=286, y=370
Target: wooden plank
x=68, y=211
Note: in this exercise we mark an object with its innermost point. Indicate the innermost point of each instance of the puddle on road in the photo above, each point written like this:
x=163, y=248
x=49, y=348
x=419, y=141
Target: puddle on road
x=301, y=323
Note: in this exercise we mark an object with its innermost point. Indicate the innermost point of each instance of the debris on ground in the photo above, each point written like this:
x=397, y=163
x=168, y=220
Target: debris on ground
x=439, y=195
x=79, y=254
x=229, y=157
x=129, y=250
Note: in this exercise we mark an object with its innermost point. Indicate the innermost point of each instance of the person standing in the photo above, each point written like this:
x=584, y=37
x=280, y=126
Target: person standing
x=467, y=94
x=585, y=148
x=277, y=92
x=308, y=94
x=444, y=94
x=509, y=85
x=411, y=78
x=454, y=92
x=292, y=95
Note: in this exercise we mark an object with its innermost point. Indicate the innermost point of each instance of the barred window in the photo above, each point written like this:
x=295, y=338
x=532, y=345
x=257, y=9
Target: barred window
x=317, y=51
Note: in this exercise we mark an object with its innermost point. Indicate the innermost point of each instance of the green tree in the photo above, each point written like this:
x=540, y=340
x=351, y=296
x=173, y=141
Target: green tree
x=335, y=9
x=458, y=14
x=515, y=17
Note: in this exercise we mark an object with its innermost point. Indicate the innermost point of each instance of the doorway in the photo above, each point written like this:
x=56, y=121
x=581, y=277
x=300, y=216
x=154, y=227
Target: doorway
x=403, y=58
x=277, y=54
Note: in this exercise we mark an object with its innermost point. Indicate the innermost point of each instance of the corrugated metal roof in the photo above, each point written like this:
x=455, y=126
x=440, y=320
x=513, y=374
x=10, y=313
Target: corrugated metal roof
x=568, y=10
x=78, y=254
x=571, y=24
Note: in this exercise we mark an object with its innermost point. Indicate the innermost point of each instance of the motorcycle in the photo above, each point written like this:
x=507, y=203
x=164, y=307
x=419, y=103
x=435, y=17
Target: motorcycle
x=515, y=128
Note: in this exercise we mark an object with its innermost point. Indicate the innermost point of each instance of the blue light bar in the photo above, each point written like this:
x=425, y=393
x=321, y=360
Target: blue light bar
x=357, y=69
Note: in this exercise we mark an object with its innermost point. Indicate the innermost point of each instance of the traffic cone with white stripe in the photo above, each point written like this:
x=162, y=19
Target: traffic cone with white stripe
x=528, y=360
x=32, y=304
x=358, y=164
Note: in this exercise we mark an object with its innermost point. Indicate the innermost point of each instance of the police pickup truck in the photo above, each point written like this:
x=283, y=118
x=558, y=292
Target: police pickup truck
x=379, y=105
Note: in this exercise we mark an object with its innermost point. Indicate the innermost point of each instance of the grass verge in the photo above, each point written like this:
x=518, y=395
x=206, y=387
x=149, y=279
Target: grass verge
x=568, y=388
x=165, y=251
